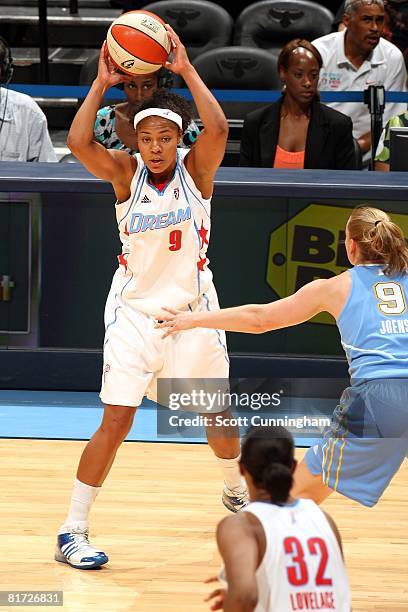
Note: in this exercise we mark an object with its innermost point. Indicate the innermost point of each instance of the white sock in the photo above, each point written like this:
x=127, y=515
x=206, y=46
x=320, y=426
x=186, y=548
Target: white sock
x=232, y=475
x=83, y=496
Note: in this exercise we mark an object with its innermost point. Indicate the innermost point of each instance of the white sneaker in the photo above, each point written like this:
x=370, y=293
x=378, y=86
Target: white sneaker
x=74, y=548
x=235, y=499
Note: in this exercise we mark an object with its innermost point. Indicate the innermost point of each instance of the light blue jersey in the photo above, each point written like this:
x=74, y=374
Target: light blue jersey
x=367, y=440
x=374, y=324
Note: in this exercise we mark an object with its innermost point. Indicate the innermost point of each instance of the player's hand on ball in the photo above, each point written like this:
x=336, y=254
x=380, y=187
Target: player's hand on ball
x=180, y=58
x=218, y=595
x=174, y=321
x=108, y=74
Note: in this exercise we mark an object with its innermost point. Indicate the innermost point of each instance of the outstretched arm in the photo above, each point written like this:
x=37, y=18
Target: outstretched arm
x=206, y=155
x=256, y=318
x=117, y=167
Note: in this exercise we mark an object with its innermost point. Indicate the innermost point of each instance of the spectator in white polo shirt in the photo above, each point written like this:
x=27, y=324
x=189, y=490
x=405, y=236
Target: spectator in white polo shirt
x=358, y=57
x=23, y=126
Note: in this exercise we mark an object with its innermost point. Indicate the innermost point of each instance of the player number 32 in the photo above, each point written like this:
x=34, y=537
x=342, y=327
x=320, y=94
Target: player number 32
x=298, y=571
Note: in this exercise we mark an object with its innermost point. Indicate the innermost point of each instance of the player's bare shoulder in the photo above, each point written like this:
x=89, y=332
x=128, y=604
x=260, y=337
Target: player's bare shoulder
x=203, y=180
x=243, y=525
x=241, y=522
x=127, y=166
x=335, y=291
x=126, y=162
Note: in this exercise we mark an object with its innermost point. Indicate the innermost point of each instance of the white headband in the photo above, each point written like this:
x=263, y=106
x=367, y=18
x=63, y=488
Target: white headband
x=158, y=112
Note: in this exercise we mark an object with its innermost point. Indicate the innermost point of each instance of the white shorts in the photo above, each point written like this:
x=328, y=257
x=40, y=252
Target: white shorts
x=136, y=356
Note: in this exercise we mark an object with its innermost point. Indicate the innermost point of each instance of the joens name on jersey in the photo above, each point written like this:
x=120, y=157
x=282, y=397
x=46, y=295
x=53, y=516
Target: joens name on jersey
x=140, y=222
x=394, y=327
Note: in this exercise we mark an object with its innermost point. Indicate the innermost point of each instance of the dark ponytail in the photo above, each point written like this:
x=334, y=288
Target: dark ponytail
x=268, y=455
x=277, y=479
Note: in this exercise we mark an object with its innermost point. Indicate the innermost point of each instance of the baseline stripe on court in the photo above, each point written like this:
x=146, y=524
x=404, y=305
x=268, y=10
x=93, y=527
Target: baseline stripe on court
x=75, y=415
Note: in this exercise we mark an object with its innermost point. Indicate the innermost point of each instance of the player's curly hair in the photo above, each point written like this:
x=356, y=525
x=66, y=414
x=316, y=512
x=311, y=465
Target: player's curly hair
x=162, y=98
x=379, y=239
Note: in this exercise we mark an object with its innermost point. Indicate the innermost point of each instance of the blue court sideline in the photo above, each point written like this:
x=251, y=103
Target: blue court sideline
x=67, y=415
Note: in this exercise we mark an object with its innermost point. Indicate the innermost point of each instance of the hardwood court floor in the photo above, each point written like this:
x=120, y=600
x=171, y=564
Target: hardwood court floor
x=156, y=517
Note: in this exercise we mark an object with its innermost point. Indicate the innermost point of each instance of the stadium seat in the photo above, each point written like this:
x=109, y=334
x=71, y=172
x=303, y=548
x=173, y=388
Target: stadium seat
x=89, y=69
x=201, y=25
x=238, y=68
x=272, y=23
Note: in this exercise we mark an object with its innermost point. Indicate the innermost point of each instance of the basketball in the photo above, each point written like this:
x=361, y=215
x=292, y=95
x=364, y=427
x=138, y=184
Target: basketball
x=138, y=42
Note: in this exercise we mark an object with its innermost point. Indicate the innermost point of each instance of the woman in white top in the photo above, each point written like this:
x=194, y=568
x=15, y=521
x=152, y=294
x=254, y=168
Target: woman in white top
x=163, y=214
x=280, y=554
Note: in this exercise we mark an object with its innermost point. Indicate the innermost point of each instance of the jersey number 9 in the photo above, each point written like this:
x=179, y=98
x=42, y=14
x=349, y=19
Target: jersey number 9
x=175, y=240
x=391, y=298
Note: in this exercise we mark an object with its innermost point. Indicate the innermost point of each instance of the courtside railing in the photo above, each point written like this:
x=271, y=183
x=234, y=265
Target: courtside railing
x=223, y=95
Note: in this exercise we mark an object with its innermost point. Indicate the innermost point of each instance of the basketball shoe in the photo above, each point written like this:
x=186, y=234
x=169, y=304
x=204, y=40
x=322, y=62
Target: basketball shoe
x=235, y=499
x=74, y=548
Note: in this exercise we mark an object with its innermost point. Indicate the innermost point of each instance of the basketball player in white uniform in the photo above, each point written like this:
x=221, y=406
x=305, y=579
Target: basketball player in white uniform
x=163, y=214
x=280, y=554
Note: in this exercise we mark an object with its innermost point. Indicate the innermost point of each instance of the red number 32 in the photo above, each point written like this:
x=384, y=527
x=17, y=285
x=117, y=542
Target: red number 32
x=298, y=573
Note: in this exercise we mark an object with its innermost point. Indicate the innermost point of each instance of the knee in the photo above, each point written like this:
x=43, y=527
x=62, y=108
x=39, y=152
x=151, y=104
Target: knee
x=117, y=426
x=224, y=447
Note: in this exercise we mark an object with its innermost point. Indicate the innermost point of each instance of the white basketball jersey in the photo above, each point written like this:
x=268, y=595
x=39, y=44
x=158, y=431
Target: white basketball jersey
x=164, y=238
x=302, y=568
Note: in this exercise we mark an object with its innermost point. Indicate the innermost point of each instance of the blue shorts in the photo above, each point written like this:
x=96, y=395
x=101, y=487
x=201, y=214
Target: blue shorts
x=366, y=442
